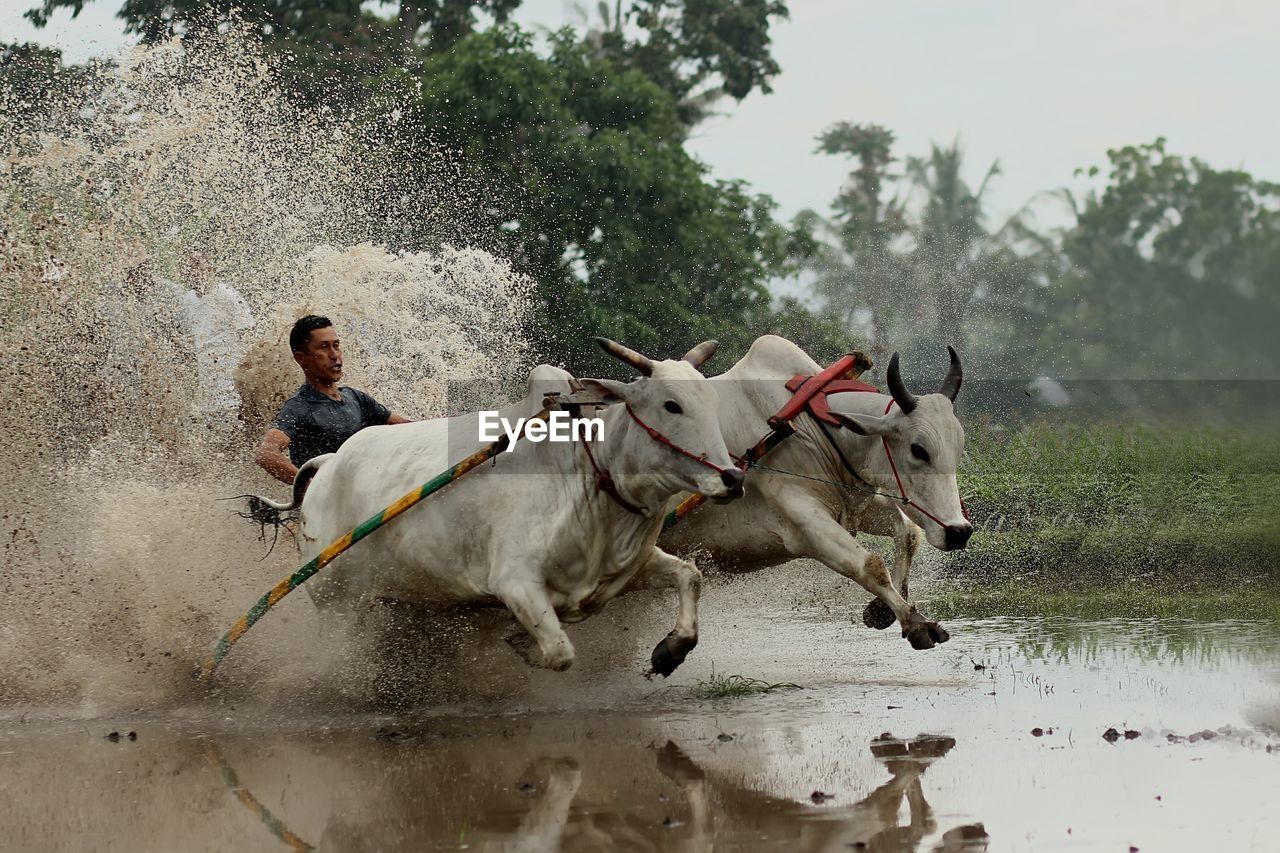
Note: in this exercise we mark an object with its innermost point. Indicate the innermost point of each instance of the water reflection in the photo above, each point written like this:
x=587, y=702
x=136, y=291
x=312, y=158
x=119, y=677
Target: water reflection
x=645, y=798
x=257, y=809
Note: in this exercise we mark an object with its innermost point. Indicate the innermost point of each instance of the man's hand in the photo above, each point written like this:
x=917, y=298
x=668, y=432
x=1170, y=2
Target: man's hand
x=273, y=456
x=393, y=419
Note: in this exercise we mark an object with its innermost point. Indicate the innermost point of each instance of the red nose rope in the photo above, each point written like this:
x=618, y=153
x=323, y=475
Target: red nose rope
x=605, y=481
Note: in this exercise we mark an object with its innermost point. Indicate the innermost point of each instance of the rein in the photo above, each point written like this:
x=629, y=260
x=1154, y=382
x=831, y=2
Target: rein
x=605, y=481
x=872, y=490
x=964, y=509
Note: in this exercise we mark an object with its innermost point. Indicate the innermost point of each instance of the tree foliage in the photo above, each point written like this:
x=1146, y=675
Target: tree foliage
x=920, y=269
x=587, y=191
x=1174, y=271
x=568, y=160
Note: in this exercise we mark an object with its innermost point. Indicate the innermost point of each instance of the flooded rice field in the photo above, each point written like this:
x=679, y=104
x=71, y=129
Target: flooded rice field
x=1000, y=739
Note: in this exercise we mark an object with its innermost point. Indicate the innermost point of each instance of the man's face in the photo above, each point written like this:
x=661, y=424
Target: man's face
x=322, y=359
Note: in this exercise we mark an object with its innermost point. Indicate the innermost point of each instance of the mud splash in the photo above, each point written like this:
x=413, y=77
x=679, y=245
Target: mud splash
x=165, y=223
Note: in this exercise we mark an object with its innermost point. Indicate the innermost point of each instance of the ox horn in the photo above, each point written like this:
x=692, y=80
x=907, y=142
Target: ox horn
x=955, y=376
x=702, y=353
x=904, y=398
x=625, y=354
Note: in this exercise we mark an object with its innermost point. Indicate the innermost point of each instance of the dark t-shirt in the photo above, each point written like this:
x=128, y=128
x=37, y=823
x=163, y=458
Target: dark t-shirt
x=316, y=423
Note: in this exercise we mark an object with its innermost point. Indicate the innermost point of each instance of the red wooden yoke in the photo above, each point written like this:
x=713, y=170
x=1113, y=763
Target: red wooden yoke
x=805, y=389
x=806, y=392
x=817, y=404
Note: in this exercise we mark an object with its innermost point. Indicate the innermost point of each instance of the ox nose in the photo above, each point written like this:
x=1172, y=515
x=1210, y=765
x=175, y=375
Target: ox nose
x=733, y=479
x=958, y=536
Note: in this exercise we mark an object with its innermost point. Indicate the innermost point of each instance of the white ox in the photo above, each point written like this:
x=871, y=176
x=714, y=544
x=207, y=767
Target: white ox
x=784, y=516
x=531, y=531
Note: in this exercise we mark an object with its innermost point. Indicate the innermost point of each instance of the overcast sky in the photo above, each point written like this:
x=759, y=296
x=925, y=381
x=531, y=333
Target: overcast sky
x=1045, y=87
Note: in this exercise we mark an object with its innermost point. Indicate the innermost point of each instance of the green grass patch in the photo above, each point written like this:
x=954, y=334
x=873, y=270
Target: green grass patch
x=730, y=686
x=1135, y=599
x=1116, y=502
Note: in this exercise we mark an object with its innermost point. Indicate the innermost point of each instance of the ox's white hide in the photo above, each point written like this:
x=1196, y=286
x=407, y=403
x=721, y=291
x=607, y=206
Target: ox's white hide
x=784, y=517
x=529, y=530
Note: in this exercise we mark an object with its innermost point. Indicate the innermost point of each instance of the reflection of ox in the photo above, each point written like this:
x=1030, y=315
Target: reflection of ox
x=899, y=444
x=534, y=531
x=593, y=795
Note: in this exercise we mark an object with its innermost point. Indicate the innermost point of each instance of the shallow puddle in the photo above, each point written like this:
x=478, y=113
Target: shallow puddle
x=993, y=741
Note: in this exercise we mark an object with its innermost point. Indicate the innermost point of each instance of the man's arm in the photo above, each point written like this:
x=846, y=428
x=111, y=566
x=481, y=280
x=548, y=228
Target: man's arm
x=393, y=418
x=273, y=456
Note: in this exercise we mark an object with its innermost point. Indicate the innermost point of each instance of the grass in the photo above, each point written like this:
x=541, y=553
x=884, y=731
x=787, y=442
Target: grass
x=732, y=686
x=1123, y=599
x=1122, y=501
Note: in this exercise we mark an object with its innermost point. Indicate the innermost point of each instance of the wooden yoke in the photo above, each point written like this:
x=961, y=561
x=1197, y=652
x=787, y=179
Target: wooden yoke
x=848, y=366
x=805, y=390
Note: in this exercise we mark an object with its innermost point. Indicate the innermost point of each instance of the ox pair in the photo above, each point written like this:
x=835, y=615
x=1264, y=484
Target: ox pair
x=554, y=540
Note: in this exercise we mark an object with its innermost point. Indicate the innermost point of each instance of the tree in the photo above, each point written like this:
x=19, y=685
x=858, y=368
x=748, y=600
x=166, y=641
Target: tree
x=858, y=278
x=327, y=48
x=921, y=270
x=31, y=77
x=699, y=51
x=1170, y=255
x=968, y=273
x=570, y=163
x=588, y=190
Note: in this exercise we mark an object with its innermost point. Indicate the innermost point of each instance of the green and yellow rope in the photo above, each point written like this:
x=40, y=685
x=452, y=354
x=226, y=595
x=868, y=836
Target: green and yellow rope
x=360, y=531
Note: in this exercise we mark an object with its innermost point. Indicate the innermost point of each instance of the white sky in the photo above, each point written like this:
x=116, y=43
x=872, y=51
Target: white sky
x=1045, y=87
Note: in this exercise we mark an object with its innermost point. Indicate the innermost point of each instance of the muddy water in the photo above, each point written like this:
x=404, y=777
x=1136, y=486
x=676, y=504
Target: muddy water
x=914, y=751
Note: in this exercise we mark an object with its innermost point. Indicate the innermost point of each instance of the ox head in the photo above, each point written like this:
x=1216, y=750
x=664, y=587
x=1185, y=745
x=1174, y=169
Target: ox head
x=926, y=442
x=676, y=401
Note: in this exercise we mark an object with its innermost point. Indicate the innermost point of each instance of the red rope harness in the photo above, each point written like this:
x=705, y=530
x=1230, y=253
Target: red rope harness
x=818, y=406
x=605, y=481
x=903, y=489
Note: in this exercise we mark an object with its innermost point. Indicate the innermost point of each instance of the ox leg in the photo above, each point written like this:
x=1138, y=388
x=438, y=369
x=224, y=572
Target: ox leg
x=814, y=533
x=543, y=827
x=550, y=646
x=883, y=518
x=663, y=571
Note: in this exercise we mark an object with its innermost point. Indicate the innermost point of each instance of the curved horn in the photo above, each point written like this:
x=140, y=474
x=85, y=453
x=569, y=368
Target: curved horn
x=626, y=354
x=904, y=398
x=955, y=376
x=702, y=353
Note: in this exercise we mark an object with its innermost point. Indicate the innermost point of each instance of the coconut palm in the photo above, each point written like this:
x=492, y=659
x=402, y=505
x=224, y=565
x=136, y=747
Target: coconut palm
x=858, y=277
x=968, y=276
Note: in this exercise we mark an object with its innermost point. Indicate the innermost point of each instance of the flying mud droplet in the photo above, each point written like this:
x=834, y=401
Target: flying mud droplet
x=167, y=219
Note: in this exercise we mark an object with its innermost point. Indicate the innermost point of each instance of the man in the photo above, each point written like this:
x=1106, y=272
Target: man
x=321, y=416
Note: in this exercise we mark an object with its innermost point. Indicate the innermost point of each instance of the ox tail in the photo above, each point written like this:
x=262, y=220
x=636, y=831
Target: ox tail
x=266, y=511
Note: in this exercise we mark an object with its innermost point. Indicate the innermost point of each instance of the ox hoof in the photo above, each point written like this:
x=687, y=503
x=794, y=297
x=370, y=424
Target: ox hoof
x=923, y=634
x=877, y=615
x=919, y=638
x=669, y=654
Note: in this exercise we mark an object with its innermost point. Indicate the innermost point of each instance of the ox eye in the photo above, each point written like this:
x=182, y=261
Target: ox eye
x=673, y=407
x=920, y=453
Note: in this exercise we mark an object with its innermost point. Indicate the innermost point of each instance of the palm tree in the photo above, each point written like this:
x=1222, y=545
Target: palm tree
x=964, y=272
x=858, y=277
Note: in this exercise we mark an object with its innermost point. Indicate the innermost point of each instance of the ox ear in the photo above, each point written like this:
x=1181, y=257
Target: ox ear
x=865, y=424
x=604, y=392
